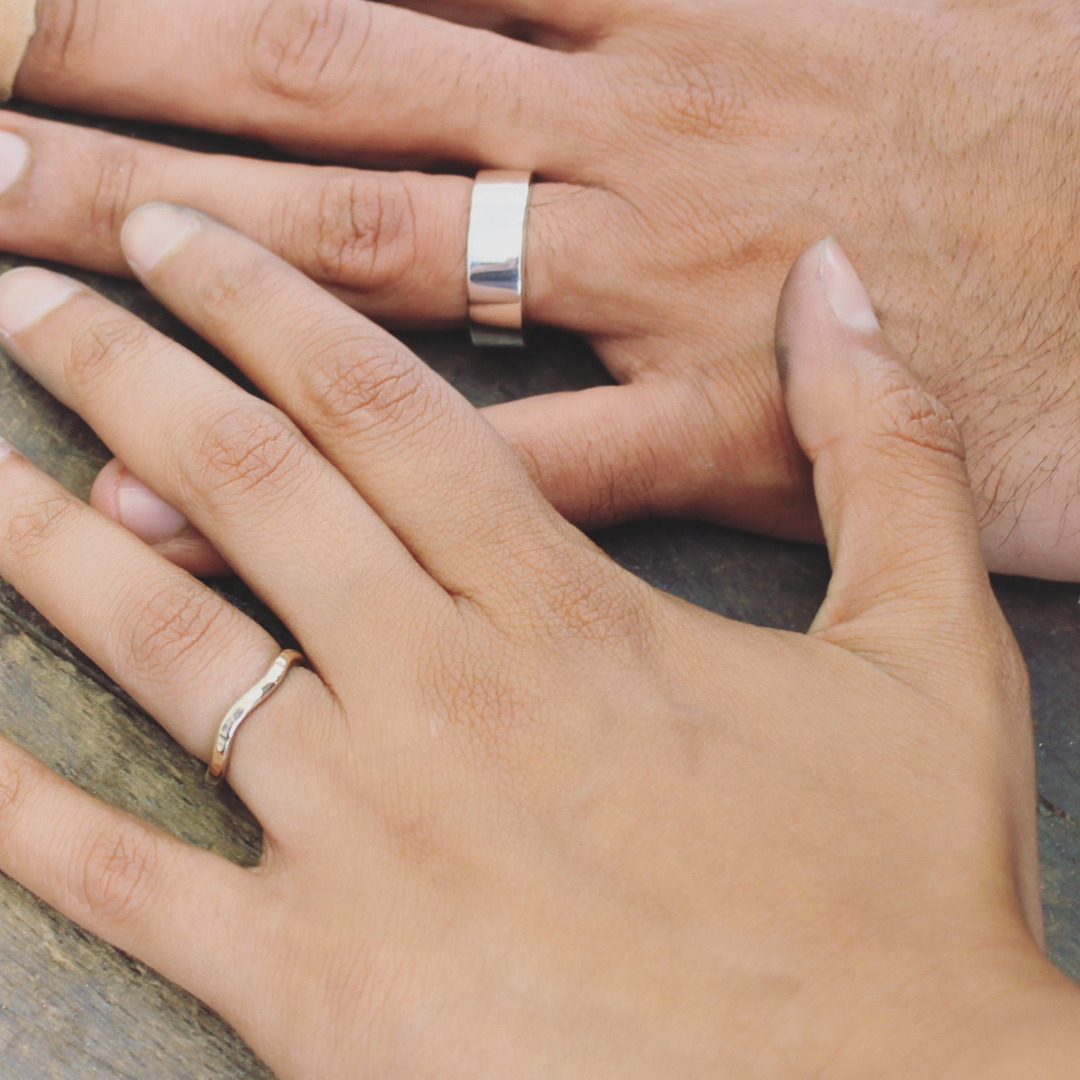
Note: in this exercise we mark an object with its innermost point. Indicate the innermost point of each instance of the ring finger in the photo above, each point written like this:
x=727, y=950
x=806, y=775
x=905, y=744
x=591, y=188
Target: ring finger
x=392, y=244
x=178, y=648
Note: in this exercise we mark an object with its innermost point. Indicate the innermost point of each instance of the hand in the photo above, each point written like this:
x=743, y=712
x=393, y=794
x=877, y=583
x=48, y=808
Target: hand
x=689, y=150
x=524, y=815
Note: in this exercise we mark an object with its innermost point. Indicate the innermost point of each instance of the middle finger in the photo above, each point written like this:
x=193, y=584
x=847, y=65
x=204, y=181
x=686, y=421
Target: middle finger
x=435, y=472
x=334, y=78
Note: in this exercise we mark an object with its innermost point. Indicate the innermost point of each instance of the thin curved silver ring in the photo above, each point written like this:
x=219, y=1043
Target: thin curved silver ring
x=243, y=707
x=496, y=256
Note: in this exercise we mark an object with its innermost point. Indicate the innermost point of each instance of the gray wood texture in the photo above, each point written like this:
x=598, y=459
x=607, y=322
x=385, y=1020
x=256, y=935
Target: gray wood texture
x=72, y=1008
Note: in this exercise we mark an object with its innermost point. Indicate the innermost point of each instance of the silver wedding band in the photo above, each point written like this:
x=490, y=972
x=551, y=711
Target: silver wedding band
x=496, y=257
x=243, y=707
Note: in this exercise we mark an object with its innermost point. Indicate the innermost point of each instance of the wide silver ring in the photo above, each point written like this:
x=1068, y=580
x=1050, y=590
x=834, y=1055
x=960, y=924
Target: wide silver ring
x=243, y=707
x=496, y=257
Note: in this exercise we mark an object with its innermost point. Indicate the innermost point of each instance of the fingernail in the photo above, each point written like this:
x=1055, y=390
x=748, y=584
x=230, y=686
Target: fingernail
x=843, y=289
x=14, y=154
x=6, y=449
x=145, y=513
x=30, y=293
x=155, y=231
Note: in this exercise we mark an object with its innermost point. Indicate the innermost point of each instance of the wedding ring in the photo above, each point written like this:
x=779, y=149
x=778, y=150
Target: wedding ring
x=243, y=707
x=496, y=257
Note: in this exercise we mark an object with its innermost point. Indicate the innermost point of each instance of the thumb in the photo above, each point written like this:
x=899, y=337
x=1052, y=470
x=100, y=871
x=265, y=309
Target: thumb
x=909, y=581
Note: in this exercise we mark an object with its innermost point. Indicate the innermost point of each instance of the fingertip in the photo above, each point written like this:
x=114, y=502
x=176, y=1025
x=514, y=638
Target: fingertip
x=14, y=159
x=844, y=291
x=822, y=292
x=28, y=294
x=103, y=491
x=791, y=306
x=155, y=231
x=121, y=495
x=828, y=342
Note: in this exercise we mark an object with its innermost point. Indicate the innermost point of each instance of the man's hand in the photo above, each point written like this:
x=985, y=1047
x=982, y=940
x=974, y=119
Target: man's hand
x=688, y=150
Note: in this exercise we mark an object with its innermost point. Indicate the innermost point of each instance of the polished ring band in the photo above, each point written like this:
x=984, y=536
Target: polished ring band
x=496, y=257
x=243, y=707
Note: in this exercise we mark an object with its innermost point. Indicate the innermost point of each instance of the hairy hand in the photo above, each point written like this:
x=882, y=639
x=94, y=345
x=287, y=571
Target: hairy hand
x=688, y=150
x=524, y=815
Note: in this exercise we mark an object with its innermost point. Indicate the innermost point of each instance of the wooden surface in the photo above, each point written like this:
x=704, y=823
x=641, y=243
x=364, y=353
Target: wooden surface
x=72, y=1008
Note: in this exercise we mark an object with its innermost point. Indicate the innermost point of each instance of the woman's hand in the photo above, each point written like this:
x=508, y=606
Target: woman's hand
x=688, y=150
x=523, y=814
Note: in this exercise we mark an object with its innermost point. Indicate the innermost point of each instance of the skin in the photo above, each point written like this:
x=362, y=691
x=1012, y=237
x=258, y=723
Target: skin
x=686, y=152
x=514, y=808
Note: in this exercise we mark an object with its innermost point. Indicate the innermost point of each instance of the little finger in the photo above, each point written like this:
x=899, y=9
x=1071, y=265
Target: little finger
x=183, y=911
x=600, y=456
x=121, y=495
x=610, y=454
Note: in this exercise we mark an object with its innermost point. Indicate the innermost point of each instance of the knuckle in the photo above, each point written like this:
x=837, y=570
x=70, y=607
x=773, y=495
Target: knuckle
x=232, y=286
x=914, y=418
x=304, y=50
x=483, y=697
x=595, y=604
x=249, y=449
x=113, y=167
x=118, y=872
x=365, y=231
x=159, y=631
x=101, y=343
x=694, y=104
x=366, y=385
x=690, y=93
x=34, y=527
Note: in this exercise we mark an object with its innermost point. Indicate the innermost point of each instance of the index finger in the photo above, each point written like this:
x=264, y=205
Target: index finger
x=420, y=455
